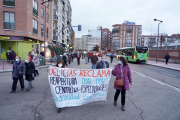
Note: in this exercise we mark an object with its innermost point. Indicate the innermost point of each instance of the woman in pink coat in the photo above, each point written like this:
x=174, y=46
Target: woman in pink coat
x=119, y=70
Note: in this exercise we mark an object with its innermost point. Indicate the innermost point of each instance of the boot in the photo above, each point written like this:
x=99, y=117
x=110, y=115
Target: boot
x=59, y=110
x=122, y=108
x=115, y=103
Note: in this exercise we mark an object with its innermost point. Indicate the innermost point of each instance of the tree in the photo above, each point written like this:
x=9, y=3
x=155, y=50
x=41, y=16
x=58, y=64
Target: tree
x=59, y=50
x=96, y=48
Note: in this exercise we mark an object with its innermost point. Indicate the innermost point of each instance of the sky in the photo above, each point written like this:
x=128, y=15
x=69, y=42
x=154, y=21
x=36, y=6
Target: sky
x=93, y=13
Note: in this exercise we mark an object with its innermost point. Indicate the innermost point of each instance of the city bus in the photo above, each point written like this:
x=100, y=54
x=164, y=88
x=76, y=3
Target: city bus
x=136, y=54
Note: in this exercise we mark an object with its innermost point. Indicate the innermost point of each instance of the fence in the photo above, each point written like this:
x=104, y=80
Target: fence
x=174, y=54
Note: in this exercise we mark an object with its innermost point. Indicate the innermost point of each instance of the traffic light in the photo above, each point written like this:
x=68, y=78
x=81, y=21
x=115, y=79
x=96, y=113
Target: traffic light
x=79, y=27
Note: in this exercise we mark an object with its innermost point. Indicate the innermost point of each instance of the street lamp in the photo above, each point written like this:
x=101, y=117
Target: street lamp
x=45, y=27
x=158, y=37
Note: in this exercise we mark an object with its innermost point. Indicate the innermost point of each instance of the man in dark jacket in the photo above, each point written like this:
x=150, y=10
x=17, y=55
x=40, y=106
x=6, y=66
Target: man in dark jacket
x=8, y=56
x=102, y=64
x=78, y=56
x=167, y=57
x=18, y=72
x=11, y=56
x=94, y=60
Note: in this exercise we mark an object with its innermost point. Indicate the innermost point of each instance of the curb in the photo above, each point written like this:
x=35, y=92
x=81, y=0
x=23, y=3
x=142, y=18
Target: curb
x=10, y=70
x=163, y=67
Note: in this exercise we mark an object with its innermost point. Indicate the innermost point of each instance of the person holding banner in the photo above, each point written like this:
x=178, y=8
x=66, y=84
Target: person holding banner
x=60, y=63
x=122, y=70
x=102, y=64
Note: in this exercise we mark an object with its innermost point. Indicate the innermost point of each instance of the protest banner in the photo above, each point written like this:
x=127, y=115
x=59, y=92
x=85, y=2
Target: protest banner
x=75, y=87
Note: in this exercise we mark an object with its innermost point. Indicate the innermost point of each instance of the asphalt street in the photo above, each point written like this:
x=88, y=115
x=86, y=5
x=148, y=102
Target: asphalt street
x=152, y=97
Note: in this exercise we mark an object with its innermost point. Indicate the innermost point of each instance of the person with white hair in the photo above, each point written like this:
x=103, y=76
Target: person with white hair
x=65, y=59
x=30, y=68
x=103, y=63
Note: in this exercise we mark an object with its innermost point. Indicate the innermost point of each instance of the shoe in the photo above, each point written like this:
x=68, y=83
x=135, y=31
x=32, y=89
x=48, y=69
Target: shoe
x=12, y=91
x=59, y=110
x=115, y=103
x=31, y=86
x=122, y=108
x=27, y=90
x=22, y=89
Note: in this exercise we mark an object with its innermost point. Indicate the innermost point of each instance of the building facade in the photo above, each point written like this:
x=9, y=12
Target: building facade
x=149, y=41
x=22, y=26
x=62, y=13
x=127, y=34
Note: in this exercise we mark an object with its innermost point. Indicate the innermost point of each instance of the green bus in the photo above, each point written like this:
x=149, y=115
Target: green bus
x=136, y=54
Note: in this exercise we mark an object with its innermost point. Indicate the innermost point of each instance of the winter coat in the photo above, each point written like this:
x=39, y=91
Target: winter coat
x=30, y=71
x=100, y=65
x=11, y=55
x=64, y=58
x=78, y=56
x=167, y=57
x=94, y=59
x=18, y=67
x=127, y=77
x=7, y=54
x=14, y=55
x=36, y=63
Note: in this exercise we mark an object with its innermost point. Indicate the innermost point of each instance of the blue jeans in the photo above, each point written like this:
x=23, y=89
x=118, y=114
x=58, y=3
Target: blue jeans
x=29, y=85
x=93, y=66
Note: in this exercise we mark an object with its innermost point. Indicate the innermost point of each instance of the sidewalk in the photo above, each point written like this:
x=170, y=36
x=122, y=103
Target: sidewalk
x=163, y=64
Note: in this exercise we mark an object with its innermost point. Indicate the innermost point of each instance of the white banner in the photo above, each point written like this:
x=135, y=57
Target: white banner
x=75, y=87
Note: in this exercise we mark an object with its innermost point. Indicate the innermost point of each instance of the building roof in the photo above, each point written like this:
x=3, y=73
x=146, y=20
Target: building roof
x=177, y=42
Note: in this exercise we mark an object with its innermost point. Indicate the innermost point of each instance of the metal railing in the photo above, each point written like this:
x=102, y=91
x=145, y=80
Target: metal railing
x=35, y=11
x=55, y=17
x=8, y=3
x=9, y=25
x=35, y=31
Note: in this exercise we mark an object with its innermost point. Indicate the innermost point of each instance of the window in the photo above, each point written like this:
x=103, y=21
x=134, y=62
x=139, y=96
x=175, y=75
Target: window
x=9, y=2
x=42, y=12
x=47, y=4
x=47, y=17
x=9, y=22
x=35, y=28
x=35, y=8
x=47, y=34
x=42, y=32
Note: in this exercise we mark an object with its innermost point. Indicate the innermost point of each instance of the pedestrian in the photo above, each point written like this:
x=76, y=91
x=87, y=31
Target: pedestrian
x=42, y=53
x=94, y=60
x=18, y=73
x=36, y=64
x=78, y=56
x=122, y=70
x=8, y=56
x=166, y=58
x=30, y=68
x=111, y=57
x=65, y=59
x=11, y=56
x=14, y=55
x=103, y=63
x=82, y=55
x=52, y=54
x=69, y=58
x=89, y=56
x=86, y=58
x=72, y=56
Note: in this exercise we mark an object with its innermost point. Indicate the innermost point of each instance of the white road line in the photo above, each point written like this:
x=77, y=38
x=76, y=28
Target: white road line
x=168, y=74
x=157, y=81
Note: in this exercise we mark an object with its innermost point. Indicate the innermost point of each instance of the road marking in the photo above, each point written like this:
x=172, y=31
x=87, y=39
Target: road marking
x=168, y=74
x=157, y=81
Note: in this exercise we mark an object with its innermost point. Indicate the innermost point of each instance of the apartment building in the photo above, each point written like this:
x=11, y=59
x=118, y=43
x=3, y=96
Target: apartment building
x=127, y=34
x=22, y=26
x=62, y=13
x=149, y=40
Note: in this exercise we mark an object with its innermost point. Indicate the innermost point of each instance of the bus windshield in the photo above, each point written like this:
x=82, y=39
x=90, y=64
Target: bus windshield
x=141, y=49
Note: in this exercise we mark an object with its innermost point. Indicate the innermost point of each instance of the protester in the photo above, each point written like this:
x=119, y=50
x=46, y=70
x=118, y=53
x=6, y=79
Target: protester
x=60, y=63
x=52, y=54
x=14, y=55
x=78, y=58
x=122, y=69
x=11, y=56
x=18, y=73
x=65, y=59
x=111, y=57
x=8, y=56
x=42, y=54
x=30, y=68
x=103, y=63
x=86, y=58
x=82, y=55
x=72, y=56
x=69, y=58
x=94, y=60
x=89, y=56
x=167, y=57
x=36, y=64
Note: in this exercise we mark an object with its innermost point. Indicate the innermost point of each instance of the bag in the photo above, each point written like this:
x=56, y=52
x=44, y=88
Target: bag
x=120, y=82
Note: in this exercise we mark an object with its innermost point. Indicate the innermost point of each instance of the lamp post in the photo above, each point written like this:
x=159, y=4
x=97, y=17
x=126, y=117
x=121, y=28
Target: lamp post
x=45, y=26
x=158, y=37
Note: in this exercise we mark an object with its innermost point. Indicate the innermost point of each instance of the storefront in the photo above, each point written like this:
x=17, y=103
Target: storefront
x=21, y=45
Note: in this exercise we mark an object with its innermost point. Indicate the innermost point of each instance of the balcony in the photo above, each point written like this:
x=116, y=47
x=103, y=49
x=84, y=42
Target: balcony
x=9, y=25
x=55, y=38
x=42, y=33
x=115, y=30
x=55, y=17
x=8, y=3
x=56, y=0
x=35, y=12
x=35, y=31
x=55, y=27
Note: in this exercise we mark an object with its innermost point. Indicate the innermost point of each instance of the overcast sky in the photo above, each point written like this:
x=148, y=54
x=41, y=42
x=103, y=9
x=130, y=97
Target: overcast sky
x=93, y=13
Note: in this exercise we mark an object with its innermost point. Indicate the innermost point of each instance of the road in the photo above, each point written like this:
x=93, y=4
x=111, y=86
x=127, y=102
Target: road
x=152, y=97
